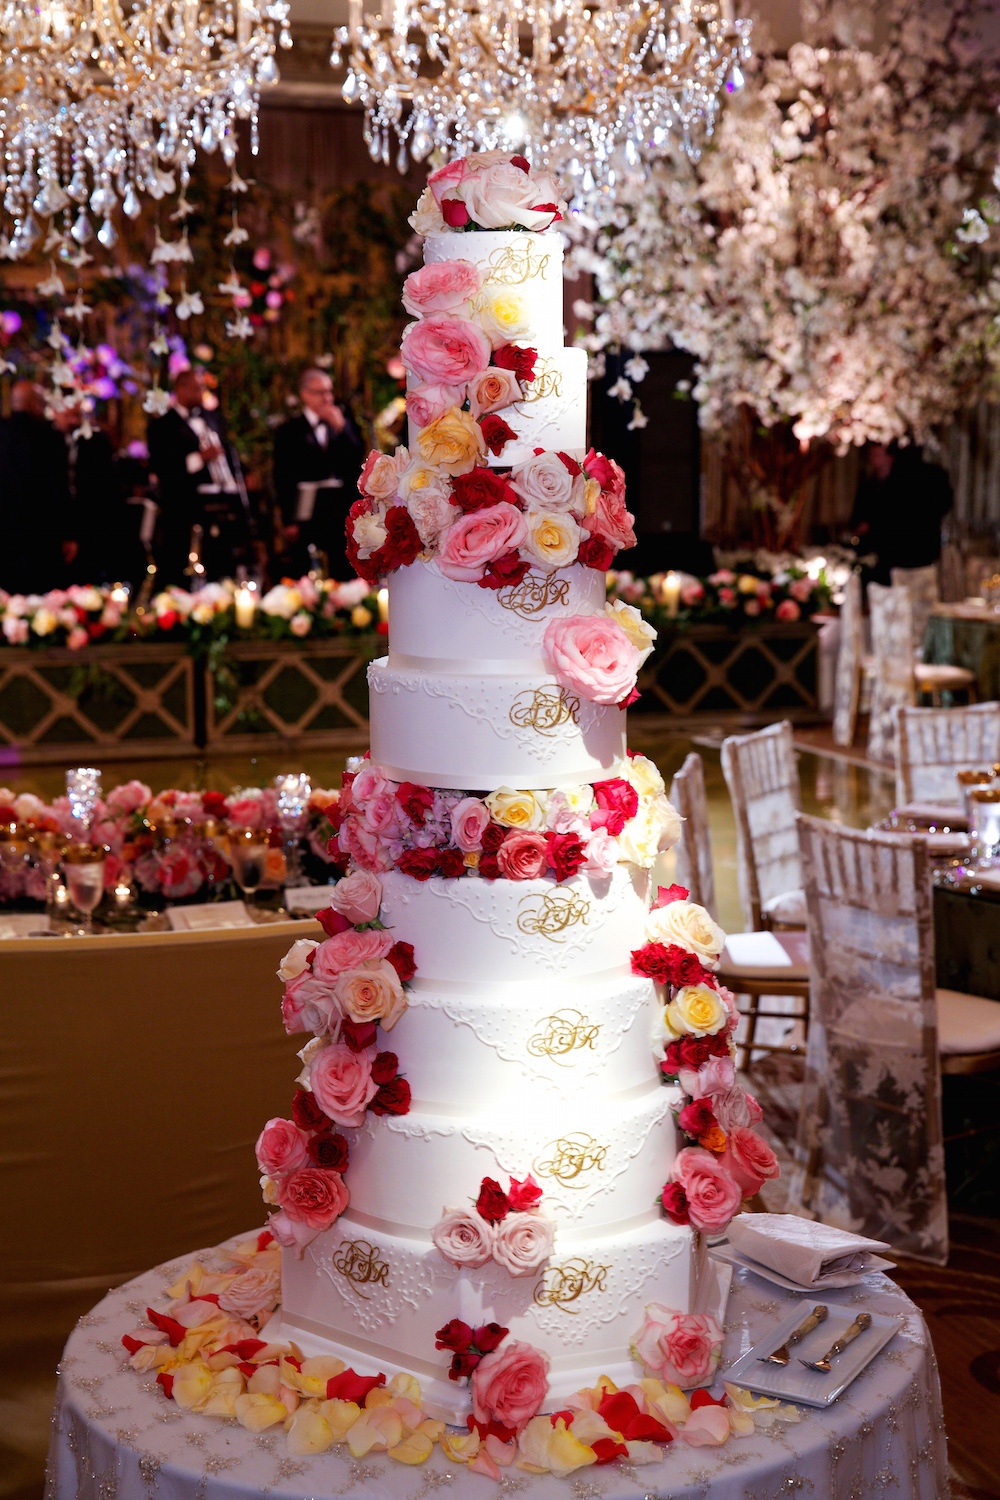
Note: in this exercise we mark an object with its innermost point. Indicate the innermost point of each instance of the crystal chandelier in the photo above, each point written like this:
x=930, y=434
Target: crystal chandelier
x=592, y=87
x=102, y=101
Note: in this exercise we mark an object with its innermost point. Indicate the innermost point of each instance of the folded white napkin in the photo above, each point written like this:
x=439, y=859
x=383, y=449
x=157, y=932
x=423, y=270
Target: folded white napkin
x=814, y=1255
x=952, y=814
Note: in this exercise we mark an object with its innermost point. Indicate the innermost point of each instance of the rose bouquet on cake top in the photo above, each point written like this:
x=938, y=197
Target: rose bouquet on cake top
x=488, y=190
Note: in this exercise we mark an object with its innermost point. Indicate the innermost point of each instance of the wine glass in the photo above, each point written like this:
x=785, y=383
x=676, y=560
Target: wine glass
x=248, y=858
x=984, y=823
x=84, y=870
x=48, y=845
x=968, y=781
x=294, y=792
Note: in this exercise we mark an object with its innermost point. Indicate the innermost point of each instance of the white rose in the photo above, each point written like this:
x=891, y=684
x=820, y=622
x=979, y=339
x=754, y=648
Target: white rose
x=427, y=218
x=502, y=314
x=464, y=1237
x=546, y=483
x=689, y=926
x=639, y=840
x=522, y=1242
x=664, y=816
x=269, y=1190
x=502, y=196
x=294, y=961
x=306, y=1056
x=516, y=809
x=553, y=538
x=369, y=533
x=639, y=631
x=281, y=601
x=427, y=496
x=643, y=775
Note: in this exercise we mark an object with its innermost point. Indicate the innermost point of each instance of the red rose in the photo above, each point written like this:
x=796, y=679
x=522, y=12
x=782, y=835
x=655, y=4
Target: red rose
x=489, y=867
x=694, y=1051
x=306, y=1112
x=596, y=553
x=488, y=1336
x=521, y=162
x=496, y=432
x=493, y=836
x=214, y=804
x=652, y=961
x=617, y=795
x=451, y=863
x=416, y=801
x=357, y=1034
x=666, y=894
x=420, y=863
x=569, y=464
x=456, y=1336
x=400, y=955
x=492, y=1203
x=672, y=1062
x=481, y=487
x=522, y=1197
x=329, y=1150
x=454, y=213
x=521, y=361
x=393, y=1098
x=385, y=1067
x=566, y=854
x=696, y=1118
x=504, y=571
x=402, y=544
x=675, y=1203
x=463, y=1364
x=332, y=921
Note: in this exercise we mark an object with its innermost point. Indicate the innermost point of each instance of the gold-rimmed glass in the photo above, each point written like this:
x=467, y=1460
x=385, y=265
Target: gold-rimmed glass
x=83, y=866
x=248, y=858
x=984, y=823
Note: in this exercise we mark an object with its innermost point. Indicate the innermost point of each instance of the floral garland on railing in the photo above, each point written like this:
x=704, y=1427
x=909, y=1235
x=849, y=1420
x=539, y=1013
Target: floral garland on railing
x=749, y=595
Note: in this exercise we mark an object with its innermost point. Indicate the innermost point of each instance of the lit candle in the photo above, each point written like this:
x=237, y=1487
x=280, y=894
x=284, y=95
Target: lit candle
x=670, y=593
x=383, y=606
x=246, y=607
x=119, y=595
x=123, y=895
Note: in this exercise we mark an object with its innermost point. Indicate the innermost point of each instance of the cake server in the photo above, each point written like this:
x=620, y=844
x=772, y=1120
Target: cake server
x=822, y=1366
x=781, y=1356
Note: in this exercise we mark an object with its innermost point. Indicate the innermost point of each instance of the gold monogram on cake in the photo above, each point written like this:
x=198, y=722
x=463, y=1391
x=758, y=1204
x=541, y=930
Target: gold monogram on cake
x=547, y=382
x=566, y=1031
x=359, y=1262
x=516, y=264
x=568, y=1282
x=551, y=915
x=544, y=709
x=535, y=592
x=572, y=1156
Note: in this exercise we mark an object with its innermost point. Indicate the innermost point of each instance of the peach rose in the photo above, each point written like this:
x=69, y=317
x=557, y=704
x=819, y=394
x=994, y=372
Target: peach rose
x=349, y=950
x=712, y=1195
x=749, y=1160
x=492, y=391
x=468, y=544
x=464, y=1237
x=453, y=442
x=445, y=350
x=553, y=539
x=678, y=1348
x=255, y=1290
x=313, y=1196
x=591, y=655
x=522, y=1242
x=371, y=993
x=468, y=820
x=378, y=476
x=443, y=287
x=510, y=1384
x=523, y=856
x=425, y=403
x=281, y=1147
x=342, y=1083
x=296, y=959
x=358, y=896
x=546, y=483
x=612, y=521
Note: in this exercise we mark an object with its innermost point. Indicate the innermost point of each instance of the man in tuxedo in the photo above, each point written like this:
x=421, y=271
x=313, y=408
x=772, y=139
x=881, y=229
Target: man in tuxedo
x=37, y=541
x=317, y=457
x=199, y=484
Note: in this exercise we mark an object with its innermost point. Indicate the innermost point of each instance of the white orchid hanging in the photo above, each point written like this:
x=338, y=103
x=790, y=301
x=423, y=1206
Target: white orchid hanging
x=156, y=402
x=240, y=328
x=52, y=286
x=237, y=235
x=189, y=304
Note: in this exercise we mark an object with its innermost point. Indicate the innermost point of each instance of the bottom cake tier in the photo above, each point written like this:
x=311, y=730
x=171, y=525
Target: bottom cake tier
x=376, y=1300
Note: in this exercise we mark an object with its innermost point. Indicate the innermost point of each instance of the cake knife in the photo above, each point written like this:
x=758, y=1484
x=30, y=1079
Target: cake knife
x=822, y=1366
x=781, y=1356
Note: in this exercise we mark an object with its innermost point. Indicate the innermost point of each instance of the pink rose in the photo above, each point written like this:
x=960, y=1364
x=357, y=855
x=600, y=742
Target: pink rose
x=678, y=1348
x=291, y=1233
x=468, y=544
x=735, y=1109
x=492, y=391
x=546, y=483
x=348, y=950
x=128, y=797
x=446, y=179
x=444, y=350
x=602, y=853
x=371, y=993
x=611, y=521
x=523, y=856
x=281, y=1147
x=800, y=589
x=509, y=1385
x=308, y=1004
x=381, y=814
x=247, y=812
x=468, y=820
x=179, y=874
x=712, y=1195
x=464, y=1237
x=522, y=1242
x=609, y=475
x=749, y=1160
x=692, y=593
x=724, y=575
x=358, y=896
x=727, y=597
x=503, y=196
x=443, y=287
x=425, y=403
x=313, y=1196
x=787, y=610
x=368, y=783
x=592, y=655
x=342, y=1082
x=752, y=607
x=364, y=847
x=715, y=1076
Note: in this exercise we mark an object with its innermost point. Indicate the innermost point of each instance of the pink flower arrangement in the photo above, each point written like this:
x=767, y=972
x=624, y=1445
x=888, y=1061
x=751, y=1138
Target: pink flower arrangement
x=507, y=1227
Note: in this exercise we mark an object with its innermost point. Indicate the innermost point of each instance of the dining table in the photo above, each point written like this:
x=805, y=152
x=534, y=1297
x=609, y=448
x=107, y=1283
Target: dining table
x=967, y=634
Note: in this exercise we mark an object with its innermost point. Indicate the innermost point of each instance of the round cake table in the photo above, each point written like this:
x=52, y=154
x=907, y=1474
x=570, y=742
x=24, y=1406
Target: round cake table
x=117, y=1437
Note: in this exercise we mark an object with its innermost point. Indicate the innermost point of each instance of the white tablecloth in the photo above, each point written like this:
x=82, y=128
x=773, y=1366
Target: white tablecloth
x=116, y=1437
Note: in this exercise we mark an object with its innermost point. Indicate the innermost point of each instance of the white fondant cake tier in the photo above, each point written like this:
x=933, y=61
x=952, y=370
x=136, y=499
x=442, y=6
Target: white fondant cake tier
x=552, y=414
x=526, y=268
x=468, y=729
x=377, y=1298
x=446, y=620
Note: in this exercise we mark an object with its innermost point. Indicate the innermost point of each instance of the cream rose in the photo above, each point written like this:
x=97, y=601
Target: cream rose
x=640, y=633
x=464, y=1237
x=427, y=496
x=371, y=993
x=295, y=960
x=516, y=809
x=522, y=1242
x=453, y=443
x=255, y=1290
x=648, y=833
x=357, y=897
x=427, y=217
x=644, y=776
x=369, y=533
x=379, y=476
x=547, y=484
x=502, y=315
x=502, y=195
x=553, y=538
x=689, y=926
x=696, y=1011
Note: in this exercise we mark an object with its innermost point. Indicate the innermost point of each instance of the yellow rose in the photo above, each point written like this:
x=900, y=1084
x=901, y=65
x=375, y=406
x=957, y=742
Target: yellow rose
x=452, y=443
x=255, y=1412
x=516, y=809
x=591, y=494
x=502, y=315
x=44, y=622
x=553, y=538
x=227, y=1385
x=696, y=1011
x=747, y=583
x=415, y=1449
x=639, y=631
x=460, y=1447
x=644, y=776
x=689, y=926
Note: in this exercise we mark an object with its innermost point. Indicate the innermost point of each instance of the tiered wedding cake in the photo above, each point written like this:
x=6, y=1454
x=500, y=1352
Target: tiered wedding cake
x=504, y=1164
